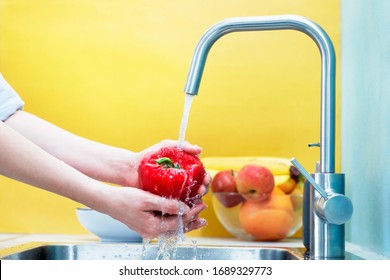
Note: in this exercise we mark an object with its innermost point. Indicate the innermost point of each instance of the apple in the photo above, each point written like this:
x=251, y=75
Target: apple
x=224, y=187
x=229, y=200
x=224, y=181
x=255, y=182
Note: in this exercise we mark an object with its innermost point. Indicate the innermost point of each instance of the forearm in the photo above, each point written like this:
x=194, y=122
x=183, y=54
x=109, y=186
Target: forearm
x=96, y=160
x=24, y=161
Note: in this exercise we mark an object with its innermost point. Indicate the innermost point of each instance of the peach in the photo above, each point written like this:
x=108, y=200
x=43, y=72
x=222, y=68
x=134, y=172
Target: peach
x=268, y=220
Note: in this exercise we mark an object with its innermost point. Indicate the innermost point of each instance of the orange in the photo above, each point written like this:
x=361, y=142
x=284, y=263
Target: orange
x=268, y=220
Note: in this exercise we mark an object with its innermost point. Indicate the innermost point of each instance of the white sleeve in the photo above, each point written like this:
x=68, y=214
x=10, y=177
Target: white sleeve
x=10, y=101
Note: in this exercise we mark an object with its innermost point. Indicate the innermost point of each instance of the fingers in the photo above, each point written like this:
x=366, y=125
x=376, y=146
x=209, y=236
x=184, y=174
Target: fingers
x=196, y=224
x=188, y=147
x=188, y=221
x=204, y=188
x=191, y=149
x=194, y=212
x=207, y=179
x=171, y=224
x=167, y=206
x=191, y=219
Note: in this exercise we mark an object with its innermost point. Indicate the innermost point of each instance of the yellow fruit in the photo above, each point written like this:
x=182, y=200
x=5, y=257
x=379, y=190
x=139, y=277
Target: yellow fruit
x=280, y=179
x=288, y=186
x=277, y=191
x=278, y=166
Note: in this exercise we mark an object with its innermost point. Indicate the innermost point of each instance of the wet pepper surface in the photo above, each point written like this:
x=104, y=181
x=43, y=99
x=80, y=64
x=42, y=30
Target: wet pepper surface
x=172, y=173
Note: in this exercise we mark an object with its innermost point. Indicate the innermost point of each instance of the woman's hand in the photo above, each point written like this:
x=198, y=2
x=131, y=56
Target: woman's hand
x=151, y=215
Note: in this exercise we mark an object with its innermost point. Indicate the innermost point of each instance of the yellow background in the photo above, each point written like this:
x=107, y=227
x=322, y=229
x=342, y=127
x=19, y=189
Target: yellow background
x=114, y=71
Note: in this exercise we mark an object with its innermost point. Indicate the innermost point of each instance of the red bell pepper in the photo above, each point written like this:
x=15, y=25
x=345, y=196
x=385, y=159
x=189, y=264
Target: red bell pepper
x=171, y=172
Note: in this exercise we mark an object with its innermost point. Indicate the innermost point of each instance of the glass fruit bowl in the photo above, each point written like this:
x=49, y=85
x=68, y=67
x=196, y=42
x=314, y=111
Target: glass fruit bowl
x=274, y=218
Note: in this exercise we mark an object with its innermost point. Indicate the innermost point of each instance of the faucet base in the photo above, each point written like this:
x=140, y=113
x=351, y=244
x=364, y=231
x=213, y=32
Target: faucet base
x=327, y=241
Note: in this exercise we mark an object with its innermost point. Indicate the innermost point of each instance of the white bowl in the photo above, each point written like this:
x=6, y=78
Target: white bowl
x=105, y=227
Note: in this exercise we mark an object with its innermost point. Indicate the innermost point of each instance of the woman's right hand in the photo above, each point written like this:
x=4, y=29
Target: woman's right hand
x=151, y=215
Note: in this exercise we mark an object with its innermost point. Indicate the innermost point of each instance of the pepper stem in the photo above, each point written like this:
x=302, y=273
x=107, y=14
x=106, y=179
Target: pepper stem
x=167, y=162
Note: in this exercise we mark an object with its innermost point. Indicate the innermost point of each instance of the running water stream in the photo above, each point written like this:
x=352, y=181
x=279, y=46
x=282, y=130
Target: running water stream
x=168, y=242
x=184, y=119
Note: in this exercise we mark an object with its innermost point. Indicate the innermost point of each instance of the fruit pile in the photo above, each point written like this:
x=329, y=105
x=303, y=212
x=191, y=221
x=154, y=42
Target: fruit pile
x=262, y=198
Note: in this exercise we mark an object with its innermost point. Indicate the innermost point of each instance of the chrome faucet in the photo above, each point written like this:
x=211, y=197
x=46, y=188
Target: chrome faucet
x=329, y=208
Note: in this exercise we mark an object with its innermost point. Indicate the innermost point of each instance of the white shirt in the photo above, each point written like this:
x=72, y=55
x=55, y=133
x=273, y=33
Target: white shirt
x=10, y=101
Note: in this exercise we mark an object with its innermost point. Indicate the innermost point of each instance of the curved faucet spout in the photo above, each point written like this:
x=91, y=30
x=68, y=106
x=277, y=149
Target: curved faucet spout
x=282, y=22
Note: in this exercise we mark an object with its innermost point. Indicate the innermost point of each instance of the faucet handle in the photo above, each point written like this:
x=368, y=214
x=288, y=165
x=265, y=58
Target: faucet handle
x=337, y=209
x=308, y=177
x=334, y=208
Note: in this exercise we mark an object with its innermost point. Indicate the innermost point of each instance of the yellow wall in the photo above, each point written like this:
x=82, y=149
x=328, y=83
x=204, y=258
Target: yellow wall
x=114, y=71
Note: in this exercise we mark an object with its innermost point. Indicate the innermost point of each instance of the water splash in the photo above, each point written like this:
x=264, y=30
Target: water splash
x=145, y=246
x=168, y=241
x=180, y=229
x=194, y=249
x=167, y=246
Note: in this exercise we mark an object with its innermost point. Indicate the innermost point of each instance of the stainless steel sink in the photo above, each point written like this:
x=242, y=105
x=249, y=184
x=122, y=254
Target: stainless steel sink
x=123, y=251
